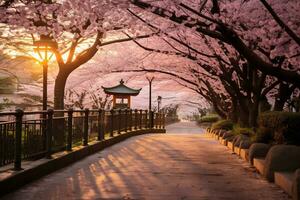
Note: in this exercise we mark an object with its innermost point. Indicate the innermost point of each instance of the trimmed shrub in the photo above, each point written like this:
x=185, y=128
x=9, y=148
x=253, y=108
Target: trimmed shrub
x=280, y=127
x=222, y=124
x=227, y=134
x=240, y=138
x=263, y=135
x=209, y=119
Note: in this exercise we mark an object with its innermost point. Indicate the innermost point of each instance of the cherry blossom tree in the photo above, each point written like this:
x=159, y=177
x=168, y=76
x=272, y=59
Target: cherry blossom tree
x=78, y=28
x=245, y=25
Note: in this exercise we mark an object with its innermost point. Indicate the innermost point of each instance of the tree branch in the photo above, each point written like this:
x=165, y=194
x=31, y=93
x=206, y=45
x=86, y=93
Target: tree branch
x=227, y=35
x=72, y=49
x=285, y=27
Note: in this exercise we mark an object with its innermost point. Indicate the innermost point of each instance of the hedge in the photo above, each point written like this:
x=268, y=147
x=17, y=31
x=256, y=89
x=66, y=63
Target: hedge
x=208, y=119
x=222, y=124
x=237, y=130
x=279, y=127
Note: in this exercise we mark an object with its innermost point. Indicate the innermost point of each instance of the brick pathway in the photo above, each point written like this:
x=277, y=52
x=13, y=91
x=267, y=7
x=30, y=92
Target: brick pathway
x=156, y=166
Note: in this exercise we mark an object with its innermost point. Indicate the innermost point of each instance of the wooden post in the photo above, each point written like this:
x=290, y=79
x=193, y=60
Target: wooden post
x=129, y=101
x=114, y=101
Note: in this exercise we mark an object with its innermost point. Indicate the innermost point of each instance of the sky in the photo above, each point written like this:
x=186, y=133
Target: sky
x=94, y=75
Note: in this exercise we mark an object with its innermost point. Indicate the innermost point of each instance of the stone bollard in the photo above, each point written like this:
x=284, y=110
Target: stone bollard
x=296, y=185
x=258, y=150
x=281, y=158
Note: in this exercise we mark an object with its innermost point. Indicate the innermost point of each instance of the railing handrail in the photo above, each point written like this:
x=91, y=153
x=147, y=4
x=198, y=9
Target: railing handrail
x=65, y=111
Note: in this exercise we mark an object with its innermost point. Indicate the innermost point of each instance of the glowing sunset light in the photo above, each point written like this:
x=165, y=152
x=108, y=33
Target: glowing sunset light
x=97, y=38
x=78, y=76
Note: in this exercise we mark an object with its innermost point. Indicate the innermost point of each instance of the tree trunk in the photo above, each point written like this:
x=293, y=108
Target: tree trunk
x=234, y=112
x=59, y=90
x=243, y=114
x=59, y=121
x=279, y=104
x=284, y=93
x=219, y=111
x=264, y=105
x=253, y=113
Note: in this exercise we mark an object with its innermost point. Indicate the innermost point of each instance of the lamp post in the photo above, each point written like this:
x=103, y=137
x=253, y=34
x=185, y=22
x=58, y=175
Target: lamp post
x=158, y=103
x=150, y=91
x=43, y=48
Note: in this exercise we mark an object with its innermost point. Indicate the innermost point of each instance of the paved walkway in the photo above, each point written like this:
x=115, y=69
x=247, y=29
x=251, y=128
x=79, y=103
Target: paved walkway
x=156, y=166
x=184, y=127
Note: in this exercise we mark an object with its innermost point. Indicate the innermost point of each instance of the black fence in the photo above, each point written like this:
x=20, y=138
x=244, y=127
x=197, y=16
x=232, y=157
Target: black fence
x=33, y=135
x=171, y=120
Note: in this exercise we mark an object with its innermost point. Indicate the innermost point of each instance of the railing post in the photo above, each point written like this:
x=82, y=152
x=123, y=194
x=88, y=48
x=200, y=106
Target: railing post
x=50, y=113
x=163, y=120
x=70, y=130
x=130, y=119
x=100, y=124
x=126, y=120
x=119, y=120
x=146, y=119
x=141, y=118
x=135, y=119
x=18, y=143
x=160, y=120
x=157, y=119
x=103, y=122
x=86, y=127
x=112, y=123
x=154, y=119
x=151, y=119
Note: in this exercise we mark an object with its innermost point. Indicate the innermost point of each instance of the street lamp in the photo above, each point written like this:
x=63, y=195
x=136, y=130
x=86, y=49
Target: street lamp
x=158, y=102
x=150, y=90
x=43, y=48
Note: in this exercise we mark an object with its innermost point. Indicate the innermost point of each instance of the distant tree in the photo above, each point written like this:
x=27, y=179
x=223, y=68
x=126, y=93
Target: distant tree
x=84, y=98
x=101, y=102
x=75, y=99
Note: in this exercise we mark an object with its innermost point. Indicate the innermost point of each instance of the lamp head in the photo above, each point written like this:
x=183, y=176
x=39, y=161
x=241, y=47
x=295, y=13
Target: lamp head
x=44, y=48
x=159, y=99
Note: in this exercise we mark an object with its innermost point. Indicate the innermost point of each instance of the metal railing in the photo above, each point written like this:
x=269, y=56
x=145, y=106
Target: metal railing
x=33, y=135
x=171, y=119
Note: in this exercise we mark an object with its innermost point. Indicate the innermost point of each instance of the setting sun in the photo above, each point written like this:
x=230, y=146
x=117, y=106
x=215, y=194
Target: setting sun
x=150, y=100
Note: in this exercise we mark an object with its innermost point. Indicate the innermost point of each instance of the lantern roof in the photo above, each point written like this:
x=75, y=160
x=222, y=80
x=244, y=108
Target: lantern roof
x=121, y=89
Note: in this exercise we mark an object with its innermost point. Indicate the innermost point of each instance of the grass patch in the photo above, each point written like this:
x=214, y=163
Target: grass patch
x=222, y=124
x=237, y=130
